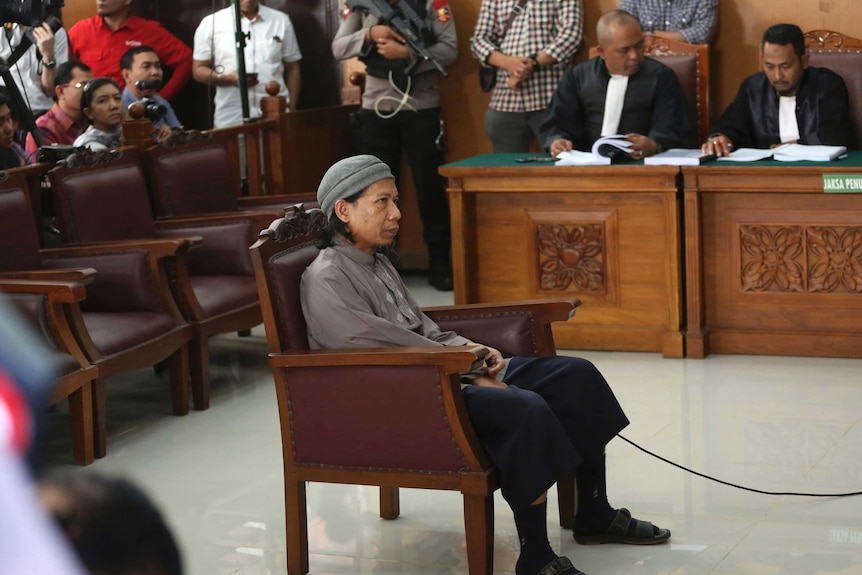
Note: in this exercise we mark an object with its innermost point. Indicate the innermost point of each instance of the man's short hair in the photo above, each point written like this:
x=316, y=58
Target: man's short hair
x=784, y=34
x=65, y=71
x=613, y=17
x=128, y=59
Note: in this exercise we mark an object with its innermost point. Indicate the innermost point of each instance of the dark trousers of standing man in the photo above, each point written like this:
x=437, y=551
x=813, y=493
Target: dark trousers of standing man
x=417, y=133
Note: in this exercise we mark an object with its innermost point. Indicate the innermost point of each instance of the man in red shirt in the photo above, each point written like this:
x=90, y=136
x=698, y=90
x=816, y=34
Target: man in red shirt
x=102, y=40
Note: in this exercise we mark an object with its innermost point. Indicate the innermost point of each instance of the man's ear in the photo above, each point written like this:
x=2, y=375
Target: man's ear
x=126, y=74
x=342, y=210
x=804, y=59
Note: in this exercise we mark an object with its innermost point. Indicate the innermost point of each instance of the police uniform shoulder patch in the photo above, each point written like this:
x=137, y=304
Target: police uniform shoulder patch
x=441, y=7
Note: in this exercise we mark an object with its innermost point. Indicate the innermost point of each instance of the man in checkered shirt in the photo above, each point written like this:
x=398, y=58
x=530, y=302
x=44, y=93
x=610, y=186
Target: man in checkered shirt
x=531, y=58
x=691, y=21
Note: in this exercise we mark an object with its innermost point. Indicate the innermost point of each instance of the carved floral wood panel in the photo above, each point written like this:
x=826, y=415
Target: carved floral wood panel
x=572, y=258
x=812, y=259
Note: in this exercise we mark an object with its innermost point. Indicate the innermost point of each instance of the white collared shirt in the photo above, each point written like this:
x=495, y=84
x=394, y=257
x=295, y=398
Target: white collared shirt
x=788, y=125
x=272, y=42
x=614, y=99
x=27, y=71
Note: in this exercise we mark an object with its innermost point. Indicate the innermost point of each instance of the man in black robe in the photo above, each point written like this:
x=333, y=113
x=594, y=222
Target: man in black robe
x=618, y=92
x=786, y=102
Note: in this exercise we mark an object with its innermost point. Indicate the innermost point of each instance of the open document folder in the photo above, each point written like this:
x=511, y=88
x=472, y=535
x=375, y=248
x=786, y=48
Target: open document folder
x=601, y=153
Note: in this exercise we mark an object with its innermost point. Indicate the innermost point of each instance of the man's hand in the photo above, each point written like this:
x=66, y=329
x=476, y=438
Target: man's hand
x=494, y=362
x=390, y=44
x=720, y=145
x=559, y=146
x=642, y=146
x=519, y=67
x=44, y=41
x=232, y=79
x=162, y=132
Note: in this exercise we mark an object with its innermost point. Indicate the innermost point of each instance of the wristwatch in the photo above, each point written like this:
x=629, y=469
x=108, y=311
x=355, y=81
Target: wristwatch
x=49, y=63
x=534, y=57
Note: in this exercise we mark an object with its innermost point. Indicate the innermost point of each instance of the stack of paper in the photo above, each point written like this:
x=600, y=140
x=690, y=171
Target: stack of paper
x=677, y=157
x=788, y=153
x=798, y=152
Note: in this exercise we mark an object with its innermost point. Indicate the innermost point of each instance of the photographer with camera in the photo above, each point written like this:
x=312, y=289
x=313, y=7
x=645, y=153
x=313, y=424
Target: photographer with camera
x=102, y=104
x=34, y=70
x=142, y=73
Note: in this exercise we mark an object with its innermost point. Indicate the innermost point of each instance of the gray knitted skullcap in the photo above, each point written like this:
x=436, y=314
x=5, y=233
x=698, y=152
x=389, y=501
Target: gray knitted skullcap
x=349, y=176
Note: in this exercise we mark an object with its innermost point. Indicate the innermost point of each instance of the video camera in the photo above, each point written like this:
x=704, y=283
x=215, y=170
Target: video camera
x=153, y=110
x=28, y=12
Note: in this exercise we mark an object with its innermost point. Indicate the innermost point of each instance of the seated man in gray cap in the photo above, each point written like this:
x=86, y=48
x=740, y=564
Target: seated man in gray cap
x=537, y=418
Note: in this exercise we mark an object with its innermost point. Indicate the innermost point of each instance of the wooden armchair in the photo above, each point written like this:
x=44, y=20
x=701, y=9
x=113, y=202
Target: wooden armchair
x=843, y=55
x=690, y=62
x=127, y=322
x=391, y=417
x=102, y=197
x=191, y=173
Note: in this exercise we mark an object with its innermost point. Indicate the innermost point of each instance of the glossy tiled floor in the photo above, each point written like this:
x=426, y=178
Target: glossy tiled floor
x=772, y=423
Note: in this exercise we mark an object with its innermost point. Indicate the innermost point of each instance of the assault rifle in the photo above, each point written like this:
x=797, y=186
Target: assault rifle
x=413, y=29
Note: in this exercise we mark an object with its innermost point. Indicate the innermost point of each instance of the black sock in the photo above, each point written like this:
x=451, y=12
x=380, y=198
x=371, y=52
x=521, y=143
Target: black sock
x=532, y=525
x=595, y=514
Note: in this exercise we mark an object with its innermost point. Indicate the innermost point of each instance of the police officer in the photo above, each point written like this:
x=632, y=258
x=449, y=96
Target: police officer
x=401, y=110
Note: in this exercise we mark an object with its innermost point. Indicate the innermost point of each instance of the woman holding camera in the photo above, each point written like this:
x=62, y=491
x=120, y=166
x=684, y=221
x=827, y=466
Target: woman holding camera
x=102, y=105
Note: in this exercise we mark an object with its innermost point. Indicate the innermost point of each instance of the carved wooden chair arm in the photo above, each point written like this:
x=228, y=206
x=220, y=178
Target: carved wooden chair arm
x=156, y=248
x=516, y=329
x=56, y=290
x=259, y=219
x=450, y=359
x=79, y=275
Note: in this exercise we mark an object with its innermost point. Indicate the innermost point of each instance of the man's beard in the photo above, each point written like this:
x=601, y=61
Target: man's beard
x=389, y=251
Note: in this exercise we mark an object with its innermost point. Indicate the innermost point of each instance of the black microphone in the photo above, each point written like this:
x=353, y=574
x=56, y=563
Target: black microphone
x=148, y=84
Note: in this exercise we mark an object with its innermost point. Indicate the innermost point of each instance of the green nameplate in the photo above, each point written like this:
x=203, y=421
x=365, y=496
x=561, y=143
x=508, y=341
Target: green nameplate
x=842, y=183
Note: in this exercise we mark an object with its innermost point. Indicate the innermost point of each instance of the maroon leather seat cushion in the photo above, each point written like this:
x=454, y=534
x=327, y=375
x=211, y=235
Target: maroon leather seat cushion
x=223, y=294
x=115, y=332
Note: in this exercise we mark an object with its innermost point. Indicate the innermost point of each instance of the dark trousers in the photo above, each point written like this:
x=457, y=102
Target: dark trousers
x=416, y=133
x=557, y=412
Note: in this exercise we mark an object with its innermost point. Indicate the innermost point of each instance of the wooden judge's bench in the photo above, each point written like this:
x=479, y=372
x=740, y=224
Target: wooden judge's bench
x=607, y=235
x=721, y=258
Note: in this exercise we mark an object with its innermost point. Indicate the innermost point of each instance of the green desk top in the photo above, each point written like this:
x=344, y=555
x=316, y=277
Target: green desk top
x=853, y=159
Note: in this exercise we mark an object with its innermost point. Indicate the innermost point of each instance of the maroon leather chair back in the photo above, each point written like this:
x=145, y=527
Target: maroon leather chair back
x=195, y=178
x=287, y=268
x=848, y=65
x=685, y=68
x=102, y=202
x=19, y=238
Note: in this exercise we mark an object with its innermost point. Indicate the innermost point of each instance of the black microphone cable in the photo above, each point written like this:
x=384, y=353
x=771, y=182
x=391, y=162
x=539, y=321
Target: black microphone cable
x=729, y=484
